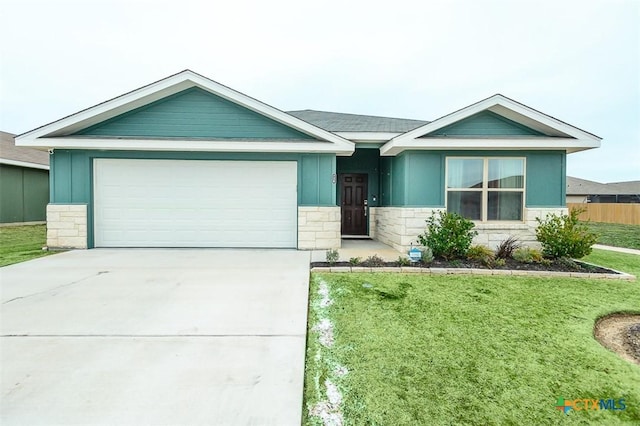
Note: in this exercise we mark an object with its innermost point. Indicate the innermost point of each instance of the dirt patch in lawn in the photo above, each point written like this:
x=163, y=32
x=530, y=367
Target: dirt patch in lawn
x=621, y=334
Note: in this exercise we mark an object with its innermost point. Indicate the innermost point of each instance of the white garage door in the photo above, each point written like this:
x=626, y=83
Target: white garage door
x=193, y=203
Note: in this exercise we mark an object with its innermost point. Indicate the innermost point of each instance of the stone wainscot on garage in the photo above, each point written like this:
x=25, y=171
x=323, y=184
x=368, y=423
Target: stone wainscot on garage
x=188, y=162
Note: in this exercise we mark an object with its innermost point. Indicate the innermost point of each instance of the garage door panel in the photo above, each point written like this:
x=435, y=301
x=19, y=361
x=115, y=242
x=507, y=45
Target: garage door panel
x=180, y=203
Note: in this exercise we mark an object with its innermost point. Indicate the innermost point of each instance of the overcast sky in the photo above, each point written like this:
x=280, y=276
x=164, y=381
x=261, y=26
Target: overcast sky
x=578, y=61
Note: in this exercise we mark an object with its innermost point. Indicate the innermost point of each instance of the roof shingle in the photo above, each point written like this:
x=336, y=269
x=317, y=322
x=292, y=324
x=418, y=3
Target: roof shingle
x=9, y=151
x=342, y=122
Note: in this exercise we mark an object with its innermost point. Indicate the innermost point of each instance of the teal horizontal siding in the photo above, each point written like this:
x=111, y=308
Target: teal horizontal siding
x=485, y=123
x=72, y=174
x=194, y=113
x=416, y=178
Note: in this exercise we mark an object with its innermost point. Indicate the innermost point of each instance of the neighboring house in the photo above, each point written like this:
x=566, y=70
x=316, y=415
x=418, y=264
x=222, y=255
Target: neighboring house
x=24, y=182
x=587, y=191
x=188, y=162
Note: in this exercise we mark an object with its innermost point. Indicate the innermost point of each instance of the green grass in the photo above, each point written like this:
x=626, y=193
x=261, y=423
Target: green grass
x=450, y=350
x=613, y=234
x=20, y=243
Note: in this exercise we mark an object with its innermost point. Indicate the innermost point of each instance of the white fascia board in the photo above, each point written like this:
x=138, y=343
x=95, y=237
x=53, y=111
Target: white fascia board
x=189, y=145
x=167, y=87
x=502, y=106
x=567, y=144
x=24, y=164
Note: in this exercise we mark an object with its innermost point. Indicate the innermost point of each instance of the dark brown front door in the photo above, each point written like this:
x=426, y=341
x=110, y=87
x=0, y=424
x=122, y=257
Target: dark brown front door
x=354, y=204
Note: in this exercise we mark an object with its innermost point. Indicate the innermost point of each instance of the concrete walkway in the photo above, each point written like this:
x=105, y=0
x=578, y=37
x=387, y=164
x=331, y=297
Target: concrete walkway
x=154, y=337
x=360, y=248
x=618, y=249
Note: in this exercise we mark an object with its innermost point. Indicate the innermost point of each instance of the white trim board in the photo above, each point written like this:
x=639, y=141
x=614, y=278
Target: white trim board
x=24, y=164
x=193, y=145
x=538, y=143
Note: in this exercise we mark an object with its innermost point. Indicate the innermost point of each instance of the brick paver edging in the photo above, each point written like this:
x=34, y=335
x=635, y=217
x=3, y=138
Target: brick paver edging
x=474, y=271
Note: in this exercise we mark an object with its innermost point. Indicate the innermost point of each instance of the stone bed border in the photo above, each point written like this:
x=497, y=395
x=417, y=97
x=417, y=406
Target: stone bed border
x=475, y=271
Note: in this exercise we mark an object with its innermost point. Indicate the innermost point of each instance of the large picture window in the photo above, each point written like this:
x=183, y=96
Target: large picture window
x=486, y=189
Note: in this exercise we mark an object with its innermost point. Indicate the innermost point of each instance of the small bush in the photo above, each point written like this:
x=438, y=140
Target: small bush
x=374, y=261
x=506, y=248
x=527, y=255
x=427, y=255
x=568, y=263
x=448, y=235
x=332, y=256
x=499, y=263
x=403, y=261
x=546, y=262
x=354, y=261
x=481, y=254
x=564, y=236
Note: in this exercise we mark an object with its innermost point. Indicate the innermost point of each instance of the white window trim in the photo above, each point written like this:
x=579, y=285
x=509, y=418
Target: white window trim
x=485, y=187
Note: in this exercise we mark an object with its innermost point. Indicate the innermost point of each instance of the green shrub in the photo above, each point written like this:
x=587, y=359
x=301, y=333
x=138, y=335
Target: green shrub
x=564, y=236
x=448, y=235
x=527, y=255
x=568, y=263
x=506, y=248
x=427, y=255
x=332, y=256
x=403, y=261
x=374, y=261
x=355, y=261
x=481, y=254
x=498, y=263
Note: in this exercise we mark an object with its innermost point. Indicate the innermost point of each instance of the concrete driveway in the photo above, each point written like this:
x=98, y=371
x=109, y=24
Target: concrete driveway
x=154, y=337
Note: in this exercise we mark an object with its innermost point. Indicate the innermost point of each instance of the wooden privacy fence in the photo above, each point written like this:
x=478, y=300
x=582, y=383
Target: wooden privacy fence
x=627, y=214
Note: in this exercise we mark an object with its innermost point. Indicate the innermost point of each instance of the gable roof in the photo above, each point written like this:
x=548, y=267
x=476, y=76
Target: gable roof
x=577, y=186
x=21, y=156
x=343, y=122
x=557, y=134
x=60, y=133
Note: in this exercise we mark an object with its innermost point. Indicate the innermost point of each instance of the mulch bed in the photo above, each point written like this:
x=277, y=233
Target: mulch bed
x=511, y=264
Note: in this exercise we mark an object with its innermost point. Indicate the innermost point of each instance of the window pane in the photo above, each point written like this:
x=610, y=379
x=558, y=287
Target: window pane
x=506, y=173
x=465, y=203
x=504, y=205
x=464, y=173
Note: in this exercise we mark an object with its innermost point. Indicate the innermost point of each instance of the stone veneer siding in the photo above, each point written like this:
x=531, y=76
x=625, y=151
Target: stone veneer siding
x=399, y=227
x=318, y=228
x=67, y=226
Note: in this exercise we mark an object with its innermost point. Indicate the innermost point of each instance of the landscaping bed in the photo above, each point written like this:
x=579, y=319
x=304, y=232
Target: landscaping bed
x=510, y=264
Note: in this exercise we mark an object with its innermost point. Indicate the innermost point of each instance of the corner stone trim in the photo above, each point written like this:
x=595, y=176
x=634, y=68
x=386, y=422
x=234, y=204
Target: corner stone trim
x=318, y=228
x=67, y=226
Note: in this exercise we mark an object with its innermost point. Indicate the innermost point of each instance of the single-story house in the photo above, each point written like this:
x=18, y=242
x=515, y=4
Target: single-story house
x=588, y=191
x=188, y=162
x=24, y=182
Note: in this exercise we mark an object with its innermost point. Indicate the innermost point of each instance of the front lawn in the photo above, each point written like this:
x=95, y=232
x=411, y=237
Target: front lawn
x=613, y=234
x=467, y=349
x=20, y=243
